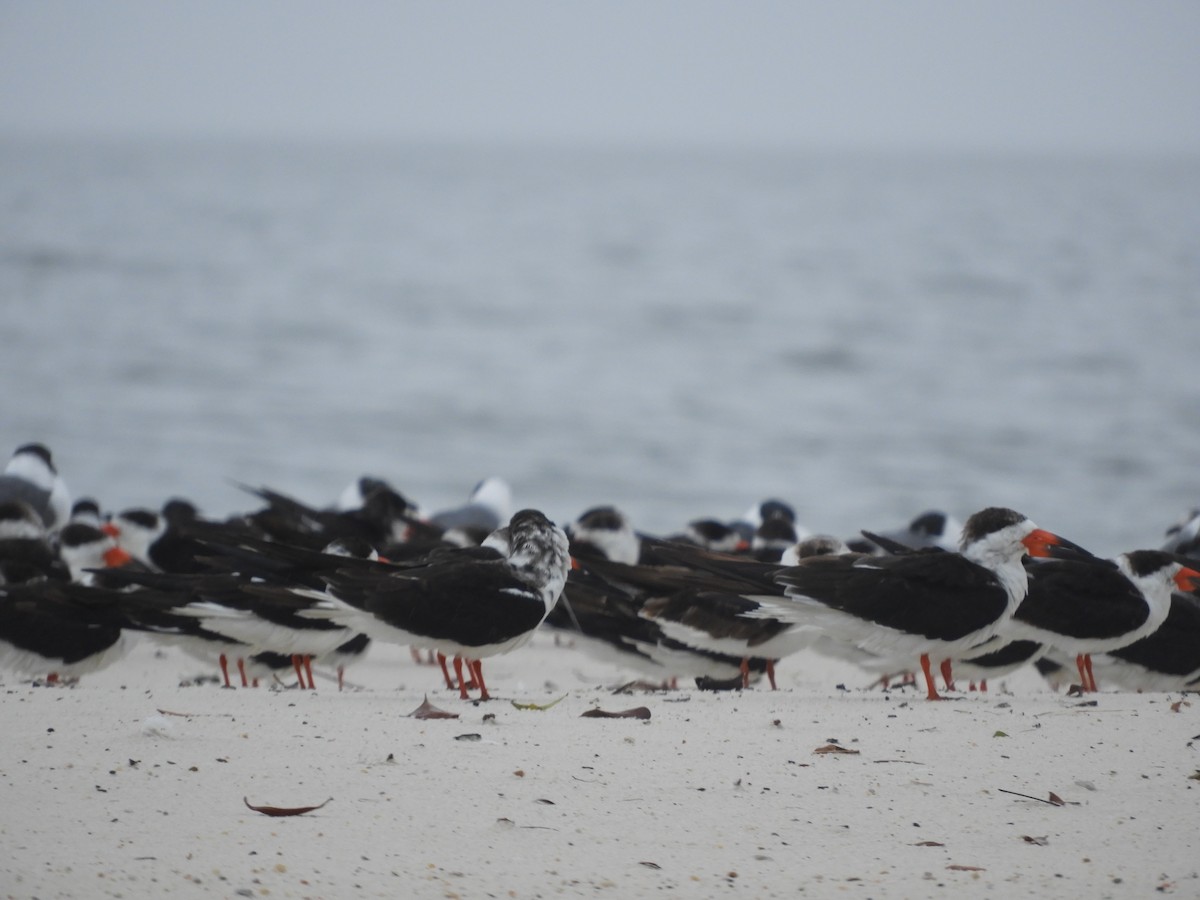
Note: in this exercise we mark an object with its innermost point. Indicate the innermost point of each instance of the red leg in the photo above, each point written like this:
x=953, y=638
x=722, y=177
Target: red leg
x=771, y=673
x=224, y=661
x=52, y=678
x=745, y=673
x=299, y=667
x=462, y=684
x=312, y=685
x=341, y=677
x=983, y=685
x=1087, y=664
x=242, y=671
x=947, y=675
x=1084, y=682
x=441, y=658
x=416, y=655
x=476, y=668
x=925, y=668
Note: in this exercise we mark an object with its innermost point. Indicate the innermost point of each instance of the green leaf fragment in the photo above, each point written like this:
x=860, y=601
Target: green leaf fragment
x=538, y=706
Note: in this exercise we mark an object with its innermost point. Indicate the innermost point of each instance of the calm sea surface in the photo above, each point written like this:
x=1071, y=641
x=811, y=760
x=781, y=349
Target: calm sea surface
x=681, y=334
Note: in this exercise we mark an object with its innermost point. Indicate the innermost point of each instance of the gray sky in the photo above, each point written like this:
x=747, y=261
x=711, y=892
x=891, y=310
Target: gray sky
x=1025, y=74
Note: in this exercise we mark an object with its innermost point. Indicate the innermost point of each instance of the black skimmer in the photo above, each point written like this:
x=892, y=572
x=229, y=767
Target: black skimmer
x=923, y=605
x=89, y=553
x=1184, y=538
x=488, y=508
x=933, y=528
x=95, y=560
x=720, y=624
x=772, y=539
x=147, y=537
x=749, y=521
x=604, y=613
x=1166, y=660
x=268, y=664
x=253, y=595
x=30, y=476
x=86, y=511
x=813, y=545
x=606, y=622
x=694, y=597
x=1080, y=608
x=712, y=534
x=995, y=661
x=43, y=631
x=25, y=550
x=470, y=603
x=605, y=531
x=382, y=518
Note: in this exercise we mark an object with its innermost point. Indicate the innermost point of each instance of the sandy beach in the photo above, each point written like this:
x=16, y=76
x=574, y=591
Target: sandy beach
x=132, y=784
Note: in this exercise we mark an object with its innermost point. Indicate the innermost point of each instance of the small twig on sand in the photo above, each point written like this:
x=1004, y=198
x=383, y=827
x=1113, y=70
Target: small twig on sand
x=1028, y=797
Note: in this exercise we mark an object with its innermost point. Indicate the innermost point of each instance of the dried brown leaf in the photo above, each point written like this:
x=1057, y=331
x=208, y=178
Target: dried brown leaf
x=1057, y=800
x=638, y=712
x=929, y=844
x=835, y=748
x=428, y=711
x=283, y=810
x=1178, y=705
x=1042, y=841
x=953, y=867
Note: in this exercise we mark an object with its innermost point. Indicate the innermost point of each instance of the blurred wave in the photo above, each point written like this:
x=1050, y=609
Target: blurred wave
x=681, y=334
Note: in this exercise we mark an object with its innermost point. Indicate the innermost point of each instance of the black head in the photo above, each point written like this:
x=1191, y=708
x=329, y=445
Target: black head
x=85, y=506
x=38, y=450
x=989, y=521
x=602, y=518
x=143, y=517
x=180, y=513
x=1147, y=562
x=776, y=509
x=78, y=534
x=931, y=524
x=776, y=529
x=528, y=520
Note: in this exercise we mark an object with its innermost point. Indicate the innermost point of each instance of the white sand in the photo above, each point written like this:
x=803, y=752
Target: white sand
x=716, y=795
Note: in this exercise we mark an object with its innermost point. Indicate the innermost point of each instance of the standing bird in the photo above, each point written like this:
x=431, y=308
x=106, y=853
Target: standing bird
x=485, y=511
x=1166, y=660
x=931, y=605
x=30, y=476
x=470, y=603
x=1080, y=608
x=26, y=553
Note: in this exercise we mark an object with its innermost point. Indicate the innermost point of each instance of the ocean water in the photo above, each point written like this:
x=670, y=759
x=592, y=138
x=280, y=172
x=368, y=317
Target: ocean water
x=680, y=333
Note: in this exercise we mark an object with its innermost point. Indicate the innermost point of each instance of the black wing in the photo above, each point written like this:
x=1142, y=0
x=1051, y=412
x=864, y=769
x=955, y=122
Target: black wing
x=942, y=596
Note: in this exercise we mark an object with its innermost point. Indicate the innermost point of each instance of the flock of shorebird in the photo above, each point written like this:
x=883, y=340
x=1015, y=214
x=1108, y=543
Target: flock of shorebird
x=722, y=602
